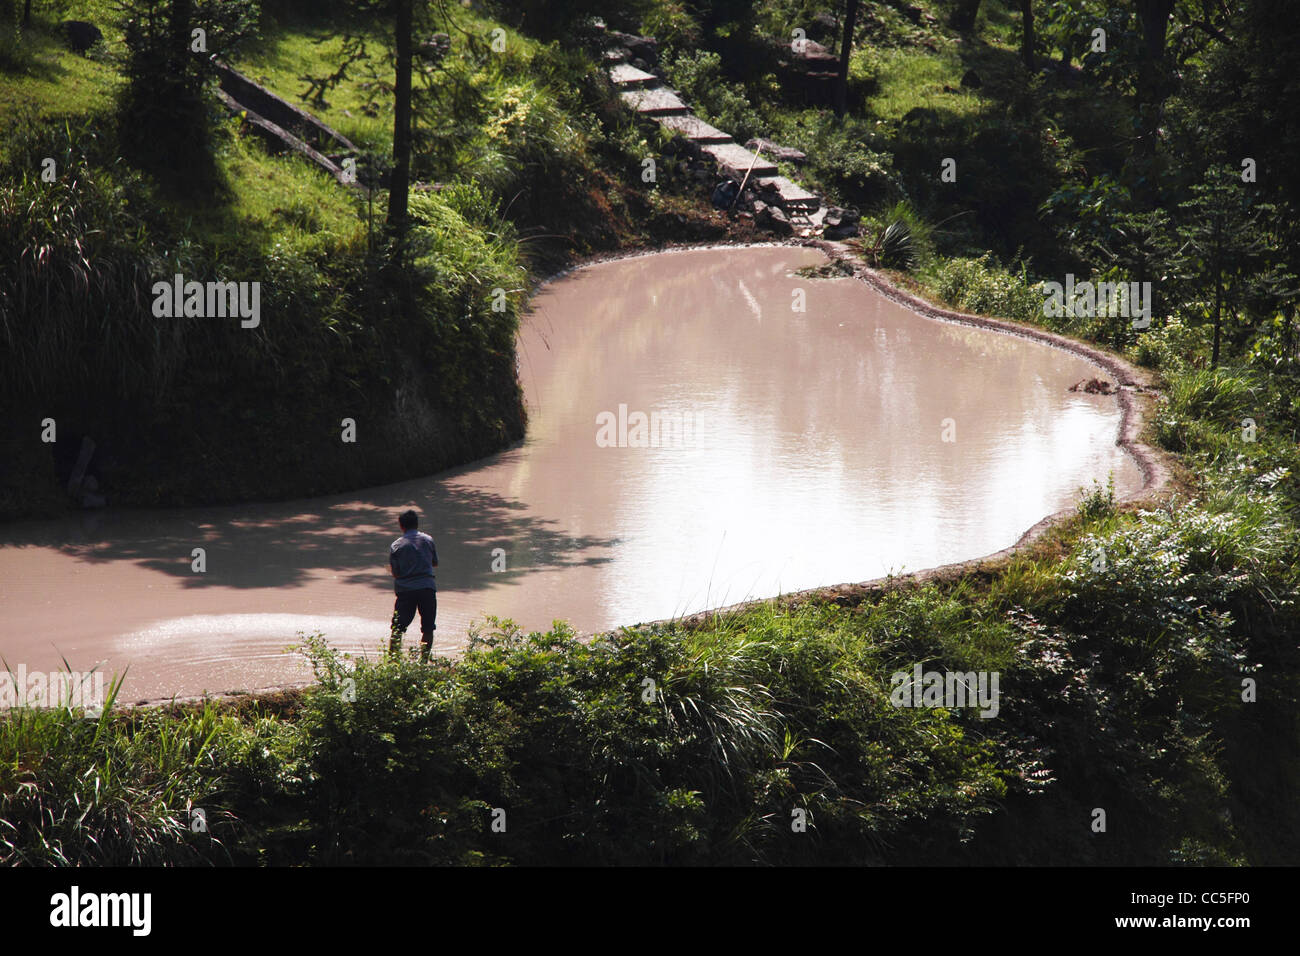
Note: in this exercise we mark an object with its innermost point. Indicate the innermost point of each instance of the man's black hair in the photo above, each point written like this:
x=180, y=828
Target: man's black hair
x=408, y=519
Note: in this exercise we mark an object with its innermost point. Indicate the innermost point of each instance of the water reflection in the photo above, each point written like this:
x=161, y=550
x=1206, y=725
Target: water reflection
x=815, y=456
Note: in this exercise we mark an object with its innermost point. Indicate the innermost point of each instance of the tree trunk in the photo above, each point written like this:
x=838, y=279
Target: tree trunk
x=846, y=48
x=181, y=15
x=1154, y=16
x=963, y=17
x=400, y=183
x=1218, y=291
x=1027, y=35
x=27, y=13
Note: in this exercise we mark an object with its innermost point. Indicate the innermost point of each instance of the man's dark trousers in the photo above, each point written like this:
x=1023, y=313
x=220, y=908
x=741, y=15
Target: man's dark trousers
x=426, y=600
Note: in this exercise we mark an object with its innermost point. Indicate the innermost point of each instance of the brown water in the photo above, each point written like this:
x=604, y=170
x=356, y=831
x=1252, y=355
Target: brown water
x=815, y=455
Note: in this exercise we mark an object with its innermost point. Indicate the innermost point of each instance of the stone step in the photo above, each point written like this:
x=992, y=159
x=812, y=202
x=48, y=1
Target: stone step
x=628, y=77
x=654, y=102
x=693, y=128
x=617, y=54
x=735, y=161
x=792, y=195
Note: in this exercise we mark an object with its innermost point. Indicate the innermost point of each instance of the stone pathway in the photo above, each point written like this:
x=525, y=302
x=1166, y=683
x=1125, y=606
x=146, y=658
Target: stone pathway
x=645, y=94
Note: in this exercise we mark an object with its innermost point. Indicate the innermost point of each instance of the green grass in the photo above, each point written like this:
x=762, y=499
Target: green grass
x=286, y=51
x=274, y=199
x=56, y=83
x=911, y=78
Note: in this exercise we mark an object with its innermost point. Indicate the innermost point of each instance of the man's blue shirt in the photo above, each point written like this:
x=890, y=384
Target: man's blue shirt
x=413, y=556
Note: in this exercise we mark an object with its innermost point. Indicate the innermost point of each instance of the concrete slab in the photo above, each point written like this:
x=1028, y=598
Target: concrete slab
x=628, y=77
x=791, y=194
x=654, y=102
x=735, y=160
x=693, y=128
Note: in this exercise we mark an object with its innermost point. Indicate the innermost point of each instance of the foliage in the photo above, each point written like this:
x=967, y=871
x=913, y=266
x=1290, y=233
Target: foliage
x=980, y=286
x=698, y=76
x=163, y=115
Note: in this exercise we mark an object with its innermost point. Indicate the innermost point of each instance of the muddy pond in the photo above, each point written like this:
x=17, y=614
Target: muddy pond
x=694, y=440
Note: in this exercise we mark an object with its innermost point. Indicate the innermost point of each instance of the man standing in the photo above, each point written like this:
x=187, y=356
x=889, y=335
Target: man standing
x=411, y=559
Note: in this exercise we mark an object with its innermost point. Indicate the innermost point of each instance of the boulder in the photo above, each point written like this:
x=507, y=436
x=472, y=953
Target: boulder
x=837, y=215
x=775, y=219
x=81, y=35
x=971, y=80
x=840, y=230
x=840, y=223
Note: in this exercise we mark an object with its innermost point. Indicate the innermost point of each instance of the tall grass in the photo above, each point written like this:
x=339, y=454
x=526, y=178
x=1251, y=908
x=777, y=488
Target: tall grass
x=78, y=790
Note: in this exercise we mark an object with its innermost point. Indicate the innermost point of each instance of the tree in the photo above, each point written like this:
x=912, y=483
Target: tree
x=1243, y=106
x=1227, y=252
x=400, y=184
x=163, y=108
x=408, y=17
x=964, y=14
x=1152, y=83
x=1027, y=33
x=846, y=49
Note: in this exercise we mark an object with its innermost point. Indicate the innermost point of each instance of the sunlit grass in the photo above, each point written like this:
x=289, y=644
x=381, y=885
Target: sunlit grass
x=911, y=78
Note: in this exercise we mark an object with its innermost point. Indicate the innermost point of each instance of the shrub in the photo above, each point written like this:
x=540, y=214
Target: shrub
x=977, y=285
x=699, y=78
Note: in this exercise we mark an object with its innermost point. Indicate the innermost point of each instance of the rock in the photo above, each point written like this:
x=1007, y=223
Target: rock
x=785, y=154
x=644, y=48
x=1094, y=386
x=777, y=221
x=837, y=215
x=971, y=80
x=840, y=231
x=760, y=208
x=724, y=193
x=824, y=26
x=81, y=35
x=810, y=49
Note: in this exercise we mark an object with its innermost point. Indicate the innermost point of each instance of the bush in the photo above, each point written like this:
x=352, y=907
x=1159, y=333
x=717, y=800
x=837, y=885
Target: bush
x=979, y=286
x=699, y=78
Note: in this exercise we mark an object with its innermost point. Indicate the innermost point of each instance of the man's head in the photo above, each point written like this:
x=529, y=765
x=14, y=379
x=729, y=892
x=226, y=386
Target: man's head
x=409, y=520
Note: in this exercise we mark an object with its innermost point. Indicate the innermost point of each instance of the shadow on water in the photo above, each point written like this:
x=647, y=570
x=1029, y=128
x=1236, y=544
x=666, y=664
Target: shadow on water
x=286, y=544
